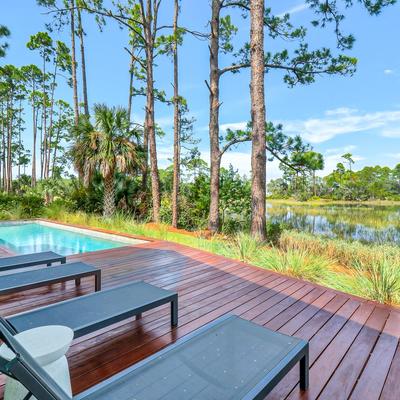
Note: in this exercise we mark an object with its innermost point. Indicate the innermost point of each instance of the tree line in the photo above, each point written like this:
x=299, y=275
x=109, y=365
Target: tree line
x=343, y=183
x=110, y=144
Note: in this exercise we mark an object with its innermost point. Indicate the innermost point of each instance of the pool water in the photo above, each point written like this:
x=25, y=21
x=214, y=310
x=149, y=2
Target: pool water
x=33, y=237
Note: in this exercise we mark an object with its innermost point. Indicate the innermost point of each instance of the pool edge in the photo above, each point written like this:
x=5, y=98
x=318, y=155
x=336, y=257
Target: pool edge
x=102, y=233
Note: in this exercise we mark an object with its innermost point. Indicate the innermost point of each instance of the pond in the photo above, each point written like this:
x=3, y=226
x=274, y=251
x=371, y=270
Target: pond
x=365, y=223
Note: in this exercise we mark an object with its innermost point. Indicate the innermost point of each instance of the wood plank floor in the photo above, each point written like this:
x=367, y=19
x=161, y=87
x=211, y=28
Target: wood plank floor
x=354, y=343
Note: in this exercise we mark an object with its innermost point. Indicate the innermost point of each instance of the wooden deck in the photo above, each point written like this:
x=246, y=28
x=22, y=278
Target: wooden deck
x=354, y=343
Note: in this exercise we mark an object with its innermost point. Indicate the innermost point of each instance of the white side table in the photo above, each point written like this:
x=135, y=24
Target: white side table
x=48, y=346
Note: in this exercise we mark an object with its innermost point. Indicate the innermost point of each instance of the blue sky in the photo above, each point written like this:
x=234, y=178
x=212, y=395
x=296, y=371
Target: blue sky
x=359, y=114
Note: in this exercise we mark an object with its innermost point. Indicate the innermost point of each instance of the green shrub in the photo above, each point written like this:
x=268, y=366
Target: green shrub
x=189, y=217
x=6, y=215
x=89, y=200
x=274, y=232
x=57, y=208
x=31, y=206
x=234, y=224
x=166, y=210
x=8, y=202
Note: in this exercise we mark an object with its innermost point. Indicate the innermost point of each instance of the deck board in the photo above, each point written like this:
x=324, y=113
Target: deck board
x=350, y=338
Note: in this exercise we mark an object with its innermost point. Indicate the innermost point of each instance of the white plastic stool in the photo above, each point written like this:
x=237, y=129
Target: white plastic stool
x=48, y=346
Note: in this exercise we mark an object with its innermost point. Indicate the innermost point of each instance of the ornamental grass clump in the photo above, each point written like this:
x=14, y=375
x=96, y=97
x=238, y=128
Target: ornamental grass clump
x=242, y=247
x=379, y=281
x=301, y=264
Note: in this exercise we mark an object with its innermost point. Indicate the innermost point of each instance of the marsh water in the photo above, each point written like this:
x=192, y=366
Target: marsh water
x=366, y=223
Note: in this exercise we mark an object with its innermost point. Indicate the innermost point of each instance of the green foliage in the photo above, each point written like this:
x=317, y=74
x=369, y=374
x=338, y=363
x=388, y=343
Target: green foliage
x=334, y=11
x=195, y=199
x=105, y=148
x=31, y=206
x=7, y=201
x=57, y=208
x=4, y=32
x=227, y=31
x=41, y=41
x=235, y=201
x=274, y=232
x=87, y=199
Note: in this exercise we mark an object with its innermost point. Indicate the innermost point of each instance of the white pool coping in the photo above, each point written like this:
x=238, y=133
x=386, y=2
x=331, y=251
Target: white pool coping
x=83, y=231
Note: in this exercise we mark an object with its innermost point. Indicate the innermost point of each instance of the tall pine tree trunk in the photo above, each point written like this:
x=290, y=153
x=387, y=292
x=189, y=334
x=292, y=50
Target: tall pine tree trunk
x=3, y=160
x=73, y=61
x=53, y=165
x=109, y=195
x=34, y=128
x=83, y=63
x=215, y=154
x=50, y=131
x=44, y=122
x=9, y=146
x=131, y=68
x=19, y=138
x=2, y=133
x=176, y=174
x=258, y=153
x=4, y=146
x=150, y=127
x=41, y=151
x=149, y=17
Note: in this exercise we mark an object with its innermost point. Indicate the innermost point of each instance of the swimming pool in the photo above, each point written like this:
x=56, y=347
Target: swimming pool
x=33, y=237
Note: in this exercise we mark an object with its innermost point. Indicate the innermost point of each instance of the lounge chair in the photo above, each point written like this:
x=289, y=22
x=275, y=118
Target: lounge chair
x=229, y=358
x=88, y=313
x=30, y=260
x=21, y=281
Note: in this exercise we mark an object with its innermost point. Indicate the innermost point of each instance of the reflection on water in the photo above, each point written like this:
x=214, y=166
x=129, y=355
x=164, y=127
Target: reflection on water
x=366, y=223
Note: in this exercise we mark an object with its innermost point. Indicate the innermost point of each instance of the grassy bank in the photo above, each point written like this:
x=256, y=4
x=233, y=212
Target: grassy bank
x=370, y=271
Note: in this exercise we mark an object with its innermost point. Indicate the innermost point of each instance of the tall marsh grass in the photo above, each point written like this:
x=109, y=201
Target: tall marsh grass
x=343, y=252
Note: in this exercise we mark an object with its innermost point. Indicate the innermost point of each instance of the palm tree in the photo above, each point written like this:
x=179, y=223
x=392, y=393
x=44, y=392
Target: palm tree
x=106, y=147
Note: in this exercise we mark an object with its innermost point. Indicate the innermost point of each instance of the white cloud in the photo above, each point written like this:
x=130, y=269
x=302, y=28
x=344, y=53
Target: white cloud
x=341, y=111
x=165, y=122
x=164, y=155
x=341, y=150
x=294, y=10
x=233, y=126
x=394, y=155
x=334, y=156
x=241, y=162
x=391, y=133
x=388, y=71
x=341, y=121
